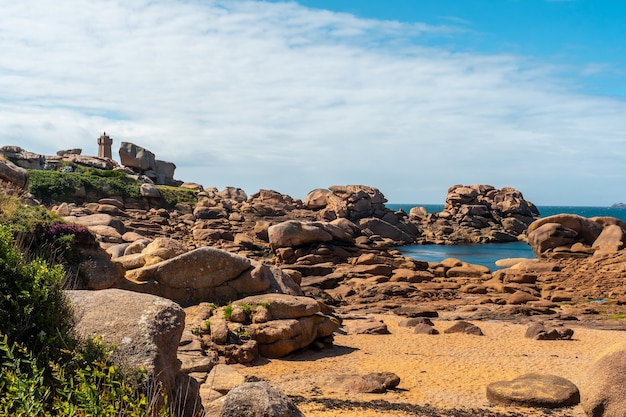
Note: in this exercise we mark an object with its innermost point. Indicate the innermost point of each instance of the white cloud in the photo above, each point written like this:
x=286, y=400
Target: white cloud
x=275, y=95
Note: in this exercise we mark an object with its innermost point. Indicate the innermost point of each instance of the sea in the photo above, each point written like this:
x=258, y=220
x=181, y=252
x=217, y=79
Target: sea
x=487, y=254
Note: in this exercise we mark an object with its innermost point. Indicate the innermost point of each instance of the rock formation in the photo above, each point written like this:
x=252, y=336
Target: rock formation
x=570, y=235
x=145, y=331
x=13, y=174
x=477, y=214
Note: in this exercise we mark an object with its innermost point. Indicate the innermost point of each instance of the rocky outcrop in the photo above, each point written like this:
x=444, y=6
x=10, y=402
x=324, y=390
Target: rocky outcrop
x=144, y=329
x=23, y=158
x=365, y=206
x=14, y=174
x=282, y=324
x=136, y=157
x=203, y=274
x=477, y=214
x=570, y=235
x=144, y=162
x=253, y=399
x=270, y=325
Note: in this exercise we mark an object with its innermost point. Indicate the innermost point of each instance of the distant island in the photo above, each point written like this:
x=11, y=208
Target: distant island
x=619, y=205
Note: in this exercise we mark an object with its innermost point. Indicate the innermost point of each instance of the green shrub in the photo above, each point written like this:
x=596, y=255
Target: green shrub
x=33, y=309
x=170, y=196
x=228, y=312
x=53, y=186
x=85, y=384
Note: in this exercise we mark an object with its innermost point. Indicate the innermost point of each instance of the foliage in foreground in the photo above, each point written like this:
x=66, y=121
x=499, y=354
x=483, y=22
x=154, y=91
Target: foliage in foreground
x=84, y=384
x=45, y=370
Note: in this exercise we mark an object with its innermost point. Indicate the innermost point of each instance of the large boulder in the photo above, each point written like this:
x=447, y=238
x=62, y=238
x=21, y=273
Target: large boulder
x=288, y=323
x=296, y=233
x=23, y=158
x=317, y=199
x=14, y=174
x=604, y=386
x=203, y=274
x=136, y=157
x=144, y=329
x=535, y=390
x=573, y=235
x=353, y=202
x=384, y=229
x=199, y=268
x=253, y=399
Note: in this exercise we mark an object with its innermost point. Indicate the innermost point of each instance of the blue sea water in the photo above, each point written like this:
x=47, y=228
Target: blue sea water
x=488, y=254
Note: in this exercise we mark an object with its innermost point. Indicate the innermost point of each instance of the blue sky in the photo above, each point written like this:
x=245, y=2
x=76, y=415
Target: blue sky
x=409, y=96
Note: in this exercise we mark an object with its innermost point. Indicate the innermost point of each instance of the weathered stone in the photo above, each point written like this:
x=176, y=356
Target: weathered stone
x=366, y=327
x=14, y=174
x=604, y=386
x=540, y=332
x=224, y=378
x=253, y=399
x=134, y=156
x=295, y=233
x=145, y=329
x=464, y=327
x=199, y=268
x=316, y=199
x=283, y=306
x=377, y=382
x=99, y=272
x=161, y=249
x=423, y=328
x=534, y=390
x=611, y=239
x=99, y=219
x=149, y=191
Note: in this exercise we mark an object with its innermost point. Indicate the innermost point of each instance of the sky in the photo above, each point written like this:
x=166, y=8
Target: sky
x=409, y=96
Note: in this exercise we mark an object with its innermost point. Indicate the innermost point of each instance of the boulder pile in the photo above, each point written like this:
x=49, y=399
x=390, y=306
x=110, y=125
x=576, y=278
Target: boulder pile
x=477, y=214
x=570, y=235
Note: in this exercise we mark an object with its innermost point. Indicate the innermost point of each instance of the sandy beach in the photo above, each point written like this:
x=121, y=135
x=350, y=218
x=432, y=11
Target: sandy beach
x=438, y=372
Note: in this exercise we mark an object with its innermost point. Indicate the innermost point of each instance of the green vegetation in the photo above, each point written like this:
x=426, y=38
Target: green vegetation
x=170, y=196
x=242, y=333
x=51, y=186
x=247, y=309
x=46, y=369
x=55, y=186
x=228, y=312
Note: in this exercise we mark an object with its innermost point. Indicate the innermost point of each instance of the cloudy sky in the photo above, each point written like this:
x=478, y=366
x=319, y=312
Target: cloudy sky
x=408, y=96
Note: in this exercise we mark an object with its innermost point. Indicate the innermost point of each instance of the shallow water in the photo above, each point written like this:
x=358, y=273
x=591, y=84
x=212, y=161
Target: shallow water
x=487, y=254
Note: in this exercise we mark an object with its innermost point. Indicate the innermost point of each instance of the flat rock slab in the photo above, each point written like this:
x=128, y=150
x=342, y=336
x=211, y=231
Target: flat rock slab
x=376, y=382
x=534, y=390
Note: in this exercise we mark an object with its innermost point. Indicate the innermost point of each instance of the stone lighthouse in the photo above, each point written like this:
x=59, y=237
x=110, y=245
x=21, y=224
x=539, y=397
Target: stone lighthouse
x=104, y=146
